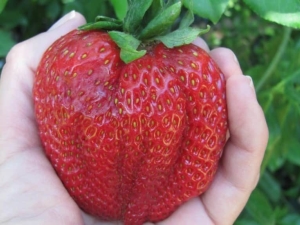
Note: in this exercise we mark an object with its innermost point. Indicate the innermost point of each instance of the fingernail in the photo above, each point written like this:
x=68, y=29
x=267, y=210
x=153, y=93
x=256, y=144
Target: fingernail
x=63, y=20
x=250, y=81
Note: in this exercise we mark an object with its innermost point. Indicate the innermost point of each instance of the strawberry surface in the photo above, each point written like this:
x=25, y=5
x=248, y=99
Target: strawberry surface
x=132, y=141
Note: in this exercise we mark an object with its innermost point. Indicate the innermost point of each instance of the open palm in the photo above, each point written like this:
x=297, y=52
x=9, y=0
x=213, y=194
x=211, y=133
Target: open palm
x=30, y=191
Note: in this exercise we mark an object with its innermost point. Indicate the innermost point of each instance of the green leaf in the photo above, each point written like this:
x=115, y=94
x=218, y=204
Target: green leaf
x=181, y=36
x=128, y=45
x=270, y=186
x=171, y=2
x=162, y=22
x=135, y=15
x=101, y=25
x=2, y=4
x=209, y=9
x=12, y=18
x=245, y=222
x=124, y=40
x=106, y=18
x=129, y=55
x=293, y=153
x=283, y=12
x=120, y=7
x=292, y=87
x=259, y=207
x=291, y=219
x=187, y=19
x=53, y=10
x=6, y=42
x=90, y=9
x=155, y=9
x=272, y=159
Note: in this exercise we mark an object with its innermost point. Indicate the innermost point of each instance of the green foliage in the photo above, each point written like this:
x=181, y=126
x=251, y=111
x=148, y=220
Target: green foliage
x=260, y=208
x=280, y=11
x=284, y=12
x=269, y=52
x=182, y=36
x=121, y=7
x=210, y=9
x=135, y=15
x=2, y=4
x=128, y=45
x=6, y=42
x=162, y=23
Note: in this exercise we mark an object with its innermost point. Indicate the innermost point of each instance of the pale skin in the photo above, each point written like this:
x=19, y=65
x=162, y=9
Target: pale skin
x=30, y=191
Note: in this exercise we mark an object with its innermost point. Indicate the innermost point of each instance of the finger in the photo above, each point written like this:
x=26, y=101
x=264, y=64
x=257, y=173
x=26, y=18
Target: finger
x=201, y=43
x=248, y=134
x=240, y=164
x=227, y=62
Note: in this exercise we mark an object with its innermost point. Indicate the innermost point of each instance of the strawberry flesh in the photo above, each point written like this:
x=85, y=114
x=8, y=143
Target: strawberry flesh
x=133, y=141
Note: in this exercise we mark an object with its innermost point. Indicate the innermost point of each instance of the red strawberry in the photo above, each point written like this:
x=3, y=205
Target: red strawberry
x=131, y=141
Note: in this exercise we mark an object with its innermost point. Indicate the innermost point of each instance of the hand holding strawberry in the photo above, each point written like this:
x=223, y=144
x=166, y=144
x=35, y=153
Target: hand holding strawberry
x=132, y=116
x=24, y=166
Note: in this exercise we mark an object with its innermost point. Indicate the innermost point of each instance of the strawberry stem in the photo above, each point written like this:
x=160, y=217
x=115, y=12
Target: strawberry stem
x=148, y=21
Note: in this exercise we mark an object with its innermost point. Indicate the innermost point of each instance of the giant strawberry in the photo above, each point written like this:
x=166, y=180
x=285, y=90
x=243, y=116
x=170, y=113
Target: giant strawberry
x=133, y=122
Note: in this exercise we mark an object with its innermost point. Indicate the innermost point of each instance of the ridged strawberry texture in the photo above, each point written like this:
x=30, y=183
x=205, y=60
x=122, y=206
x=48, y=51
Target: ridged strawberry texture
x=133, y=141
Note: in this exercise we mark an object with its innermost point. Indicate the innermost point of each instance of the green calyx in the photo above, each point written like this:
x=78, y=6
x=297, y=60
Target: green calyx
x=147, y=21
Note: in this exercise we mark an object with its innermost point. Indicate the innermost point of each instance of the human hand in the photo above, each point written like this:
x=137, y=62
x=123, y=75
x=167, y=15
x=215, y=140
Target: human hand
x=30, y=191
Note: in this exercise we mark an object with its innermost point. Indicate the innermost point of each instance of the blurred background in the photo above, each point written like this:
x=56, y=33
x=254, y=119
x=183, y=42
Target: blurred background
x=270, y=53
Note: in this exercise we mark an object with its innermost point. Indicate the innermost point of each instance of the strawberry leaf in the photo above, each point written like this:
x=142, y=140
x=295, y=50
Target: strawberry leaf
x=187, y=19
x=109, y=19
x=135, y=15
x=154, y=10
x=128, y=45
x=209, y=9
x=279, y=11
x=129, y=55
x=120, y=7
x=182, y=36
x=171, y=2
x=162, y=22
x=102, y=25
x=124, y=40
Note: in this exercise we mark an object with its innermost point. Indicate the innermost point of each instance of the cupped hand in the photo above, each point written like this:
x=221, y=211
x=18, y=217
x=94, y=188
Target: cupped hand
x=30, y=191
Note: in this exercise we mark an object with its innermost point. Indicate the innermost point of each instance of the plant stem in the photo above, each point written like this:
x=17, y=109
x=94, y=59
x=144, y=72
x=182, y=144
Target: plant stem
x=276, y=59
